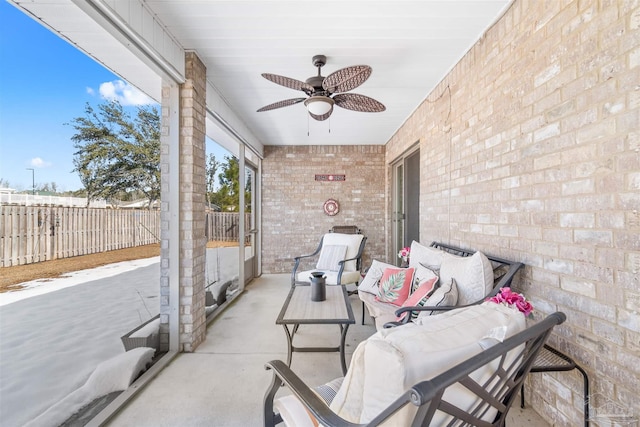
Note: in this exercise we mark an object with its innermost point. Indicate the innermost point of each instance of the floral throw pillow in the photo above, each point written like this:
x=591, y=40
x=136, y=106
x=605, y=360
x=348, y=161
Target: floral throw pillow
x=395, y=285
x=419, y=297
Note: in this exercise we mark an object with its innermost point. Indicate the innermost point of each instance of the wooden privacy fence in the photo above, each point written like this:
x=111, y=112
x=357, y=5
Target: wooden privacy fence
x=224, y=226
x=31, y=234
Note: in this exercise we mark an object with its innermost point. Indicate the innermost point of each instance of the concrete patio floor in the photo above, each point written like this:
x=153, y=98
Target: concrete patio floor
x=223, y=382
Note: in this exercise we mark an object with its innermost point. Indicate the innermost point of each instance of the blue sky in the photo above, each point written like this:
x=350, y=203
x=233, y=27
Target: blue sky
x=44, y=83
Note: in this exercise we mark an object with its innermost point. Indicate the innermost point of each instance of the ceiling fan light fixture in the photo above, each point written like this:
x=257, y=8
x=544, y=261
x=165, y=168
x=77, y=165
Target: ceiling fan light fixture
x=319, y=105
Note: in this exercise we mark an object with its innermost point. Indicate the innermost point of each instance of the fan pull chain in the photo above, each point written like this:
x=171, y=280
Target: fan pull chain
x=308, y=125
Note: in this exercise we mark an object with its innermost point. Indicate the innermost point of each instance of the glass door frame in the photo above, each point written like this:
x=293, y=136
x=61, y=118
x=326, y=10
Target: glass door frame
x=399, y=177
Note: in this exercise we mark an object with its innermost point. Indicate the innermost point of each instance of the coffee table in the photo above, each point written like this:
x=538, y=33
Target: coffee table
x=298, y=309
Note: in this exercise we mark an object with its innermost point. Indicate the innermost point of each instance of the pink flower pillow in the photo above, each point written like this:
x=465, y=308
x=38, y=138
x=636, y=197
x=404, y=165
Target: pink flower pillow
x=419, y=297
x=395, y=285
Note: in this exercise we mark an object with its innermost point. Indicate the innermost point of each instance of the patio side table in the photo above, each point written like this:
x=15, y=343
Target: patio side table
x=551, y=360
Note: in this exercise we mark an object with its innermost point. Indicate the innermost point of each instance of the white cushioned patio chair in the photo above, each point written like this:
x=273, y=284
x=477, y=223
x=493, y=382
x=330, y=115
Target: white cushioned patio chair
x=339, y=256
x=474, y=382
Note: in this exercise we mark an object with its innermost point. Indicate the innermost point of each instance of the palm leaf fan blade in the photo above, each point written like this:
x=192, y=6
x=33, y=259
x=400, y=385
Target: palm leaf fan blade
x=346, y=79
x=280, y=104
x=357, y=102
x=289, y=82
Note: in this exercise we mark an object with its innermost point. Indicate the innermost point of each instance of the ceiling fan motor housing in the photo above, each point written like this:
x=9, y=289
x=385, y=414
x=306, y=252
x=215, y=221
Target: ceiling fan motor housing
x=319, y=60
x=316, y=81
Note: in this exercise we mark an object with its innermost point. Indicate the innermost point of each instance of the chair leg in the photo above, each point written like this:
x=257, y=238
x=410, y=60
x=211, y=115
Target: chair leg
x=522, y=396
x=586, y=395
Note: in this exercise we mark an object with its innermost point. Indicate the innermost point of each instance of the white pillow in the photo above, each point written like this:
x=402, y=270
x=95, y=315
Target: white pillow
x=353, y=245
x=330, y=256
x=473, y=274
x=427, y=256
x=374, y=274
x=445, y=295
x=421, y=275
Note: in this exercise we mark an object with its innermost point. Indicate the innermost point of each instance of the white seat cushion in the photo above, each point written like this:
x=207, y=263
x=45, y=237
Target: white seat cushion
x=381, y=312
x=331, y=277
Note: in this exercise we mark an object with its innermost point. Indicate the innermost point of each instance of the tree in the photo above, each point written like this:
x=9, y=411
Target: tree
x=228, y=194
x=211, y=171
x=116, y=154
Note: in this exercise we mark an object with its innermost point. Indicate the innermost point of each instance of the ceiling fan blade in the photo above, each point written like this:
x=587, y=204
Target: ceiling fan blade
x=289, y=82
x=356, y=102
x=322, y=117
x=346, y=79
x=281, y=104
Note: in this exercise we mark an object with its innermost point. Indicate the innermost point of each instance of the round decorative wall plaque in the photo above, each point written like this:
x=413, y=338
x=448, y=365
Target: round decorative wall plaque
x=331, y=207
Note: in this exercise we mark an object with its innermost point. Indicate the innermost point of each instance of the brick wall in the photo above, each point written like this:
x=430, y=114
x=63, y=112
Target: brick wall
x=530, y=150
x=192, y=203
x=292, y=218
x=192, y=189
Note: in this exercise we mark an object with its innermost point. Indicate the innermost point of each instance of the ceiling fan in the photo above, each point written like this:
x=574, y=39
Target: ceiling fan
x=325, y=92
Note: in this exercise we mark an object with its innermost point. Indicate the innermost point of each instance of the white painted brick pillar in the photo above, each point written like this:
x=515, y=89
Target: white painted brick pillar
x=187, y=244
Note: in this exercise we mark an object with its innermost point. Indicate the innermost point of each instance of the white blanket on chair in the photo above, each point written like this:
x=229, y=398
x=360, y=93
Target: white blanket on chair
x=393, y=360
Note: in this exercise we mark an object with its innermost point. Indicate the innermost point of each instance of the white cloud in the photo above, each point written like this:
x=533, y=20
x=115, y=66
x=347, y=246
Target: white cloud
x=124, y=93
x=90, y=91
x=37, y=162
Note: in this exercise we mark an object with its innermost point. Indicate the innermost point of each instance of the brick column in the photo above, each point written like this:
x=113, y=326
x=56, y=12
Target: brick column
x=191, y=188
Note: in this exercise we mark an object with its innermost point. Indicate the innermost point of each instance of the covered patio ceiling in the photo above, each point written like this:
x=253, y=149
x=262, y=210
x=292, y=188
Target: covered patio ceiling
x=411, y=46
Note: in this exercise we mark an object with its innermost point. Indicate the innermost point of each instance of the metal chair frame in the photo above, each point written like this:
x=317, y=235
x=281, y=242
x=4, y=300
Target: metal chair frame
x=357, y=258
x=498, y=392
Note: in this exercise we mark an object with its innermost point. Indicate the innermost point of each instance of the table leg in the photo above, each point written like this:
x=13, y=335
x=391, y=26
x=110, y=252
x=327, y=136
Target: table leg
x=342, y=340
x=289, y=344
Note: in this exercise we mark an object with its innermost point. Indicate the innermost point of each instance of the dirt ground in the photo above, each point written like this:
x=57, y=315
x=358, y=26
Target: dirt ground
x=11, y=277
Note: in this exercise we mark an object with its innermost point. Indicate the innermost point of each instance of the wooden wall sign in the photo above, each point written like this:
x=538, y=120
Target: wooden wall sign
x=325, y=177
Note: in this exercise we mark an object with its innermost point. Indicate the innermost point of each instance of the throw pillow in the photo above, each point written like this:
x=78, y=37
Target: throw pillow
x=445, y=295
x=419, y=297
x=422, y=275
x=351, y=241
x=473, y=274
x=372, y=278
x=330, y=256
x=395, y=285
x=425, y=255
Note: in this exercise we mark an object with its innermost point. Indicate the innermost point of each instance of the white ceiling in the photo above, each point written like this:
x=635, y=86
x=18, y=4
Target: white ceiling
x=411, y=46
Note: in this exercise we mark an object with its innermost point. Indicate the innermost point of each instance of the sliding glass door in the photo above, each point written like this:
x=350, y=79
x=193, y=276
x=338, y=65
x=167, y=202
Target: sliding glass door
x=406, y=200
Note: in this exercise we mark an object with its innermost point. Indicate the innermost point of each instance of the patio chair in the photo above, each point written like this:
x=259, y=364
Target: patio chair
x=339, y=256
x=478, y=391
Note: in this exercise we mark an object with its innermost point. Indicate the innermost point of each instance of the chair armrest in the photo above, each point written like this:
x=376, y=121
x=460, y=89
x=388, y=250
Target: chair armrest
x=297, y=262
x=357, y=259
x=283, y=375
x=411, y=309
x=506, y=279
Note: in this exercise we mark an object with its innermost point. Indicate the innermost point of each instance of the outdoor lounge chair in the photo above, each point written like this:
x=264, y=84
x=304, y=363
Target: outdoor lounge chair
x=339, y=256
x=479, y=391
